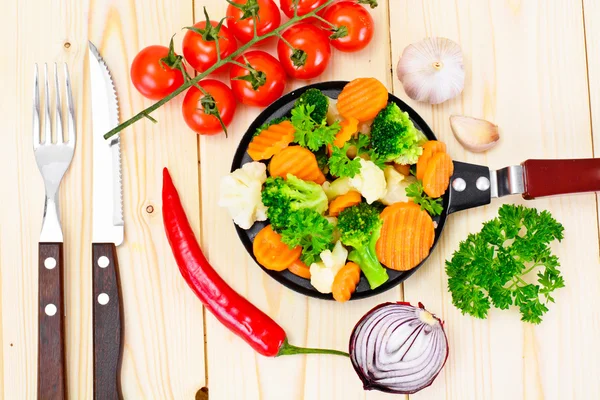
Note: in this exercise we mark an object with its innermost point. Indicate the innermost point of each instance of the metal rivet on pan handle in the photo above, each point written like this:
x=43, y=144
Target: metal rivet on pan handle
x=459, y=184
x=483, y=183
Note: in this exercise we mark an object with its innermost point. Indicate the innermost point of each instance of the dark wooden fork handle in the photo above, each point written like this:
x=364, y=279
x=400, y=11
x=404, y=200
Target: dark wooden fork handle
x=51, y=330
x=107, y=321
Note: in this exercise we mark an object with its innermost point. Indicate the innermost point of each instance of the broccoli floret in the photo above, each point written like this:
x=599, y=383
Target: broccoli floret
x=268, y=124
x=283, y=197
x=360, y=227
x=320, y=102
x=394, y=136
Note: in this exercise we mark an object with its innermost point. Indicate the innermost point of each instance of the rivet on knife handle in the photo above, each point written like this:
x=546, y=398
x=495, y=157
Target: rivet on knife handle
x=107, y=322
x=51, y=332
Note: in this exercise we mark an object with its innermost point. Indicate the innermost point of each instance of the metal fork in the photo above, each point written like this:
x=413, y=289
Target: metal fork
x=53, y=159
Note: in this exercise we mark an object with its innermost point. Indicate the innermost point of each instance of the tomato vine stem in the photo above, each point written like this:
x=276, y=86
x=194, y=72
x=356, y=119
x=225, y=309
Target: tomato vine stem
x=193, y=82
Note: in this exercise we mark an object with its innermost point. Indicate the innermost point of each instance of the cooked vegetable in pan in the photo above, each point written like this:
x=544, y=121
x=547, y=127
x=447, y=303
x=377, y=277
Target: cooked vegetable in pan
x=340, y=195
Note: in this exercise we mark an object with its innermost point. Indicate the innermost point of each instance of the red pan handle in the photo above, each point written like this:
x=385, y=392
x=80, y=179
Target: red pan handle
x=553, y=177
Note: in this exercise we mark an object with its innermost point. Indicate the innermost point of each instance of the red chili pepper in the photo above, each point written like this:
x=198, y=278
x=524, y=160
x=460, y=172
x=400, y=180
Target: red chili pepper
x=235, y=312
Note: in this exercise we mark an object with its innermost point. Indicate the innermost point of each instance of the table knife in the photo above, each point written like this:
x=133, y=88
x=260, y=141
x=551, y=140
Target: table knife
x=107, y=233
x=475, y=185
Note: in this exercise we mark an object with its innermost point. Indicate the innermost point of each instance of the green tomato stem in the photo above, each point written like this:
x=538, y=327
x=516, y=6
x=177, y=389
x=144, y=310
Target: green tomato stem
x=239, y=64
x=187, y=84
x=323, y=20
x=284, y=40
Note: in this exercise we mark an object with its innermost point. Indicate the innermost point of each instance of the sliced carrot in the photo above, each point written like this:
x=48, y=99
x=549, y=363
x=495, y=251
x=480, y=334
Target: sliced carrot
x=345, y=281
x=362, y=99
x=344, y=201
x=404, y=169
x=271, y=141
x=297, y=161
x=300, y=269
x=271, y=252
x=348, y=128
x=437, y=175
x=429, y=149
x=406, y=236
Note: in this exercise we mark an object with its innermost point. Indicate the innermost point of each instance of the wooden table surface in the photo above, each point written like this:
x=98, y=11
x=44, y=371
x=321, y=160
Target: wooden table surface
x=533, y=67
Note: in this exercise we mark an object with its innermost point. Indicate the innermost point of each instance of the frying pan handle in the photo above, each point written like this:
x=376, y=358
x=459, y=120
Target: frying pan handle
x=553, y=177
x=469, y=187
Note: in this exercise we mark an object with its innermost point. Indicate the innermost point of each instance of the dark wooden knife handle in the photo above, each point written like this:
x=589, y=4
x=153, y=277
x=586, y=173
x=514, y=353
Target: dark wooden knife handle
x=107, y=322
x=51, y=318
x=553, y=177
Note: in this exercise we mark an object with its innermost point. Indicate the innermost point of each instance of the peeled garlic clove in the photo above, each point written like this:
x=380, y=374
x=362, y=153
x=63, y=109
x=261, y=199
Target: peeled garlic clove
x=432, y=70
x=476, y=135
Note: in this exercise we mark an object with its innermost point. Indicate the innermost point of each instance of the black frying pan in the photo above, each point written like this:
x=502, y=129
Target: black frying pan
x=471, y=186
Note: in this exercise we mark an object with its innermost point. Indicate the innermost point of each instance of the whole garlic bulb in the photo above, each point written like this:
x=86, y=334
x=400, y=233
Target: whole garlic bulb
x=432, y=70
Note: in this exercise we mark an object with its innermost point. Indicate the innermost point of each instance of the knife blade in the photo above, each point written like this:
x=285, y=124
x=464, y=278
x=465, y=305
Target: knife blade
x=107, y=232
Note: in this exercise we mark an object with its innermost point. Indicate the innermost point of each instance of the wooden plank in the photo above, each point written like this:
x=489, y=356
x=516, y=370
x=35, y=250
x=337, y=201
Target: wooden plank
x=22, y=190
x=234, y=370
x=164, y=349
x=526, y=71
x=592, y=39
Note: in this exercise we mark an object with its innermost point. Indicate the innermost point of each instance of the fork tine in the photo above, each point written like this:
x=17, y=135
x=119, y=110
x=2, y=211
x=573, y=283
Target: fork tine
x=71, y=123
x=60, y=135
x=47, y=120
x=36, y=108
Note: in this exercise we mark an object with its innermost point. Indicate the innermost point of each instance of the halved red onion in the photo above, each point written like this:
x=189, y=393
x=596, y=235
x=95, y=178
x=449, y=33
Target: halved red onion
x=398, y=348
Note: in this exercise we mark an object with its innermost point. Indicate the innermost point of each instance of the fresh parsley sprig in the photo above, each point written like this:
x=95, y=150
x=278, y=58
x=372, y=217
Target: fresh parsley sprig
x=418, y=196
x=341, y=165
x=310, y=133
x=311, y=230
x=493, y=266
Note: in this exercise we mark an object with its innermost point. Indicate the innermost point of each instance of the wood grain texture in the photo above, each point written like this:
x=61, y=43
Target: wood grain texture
x=107, y=322
x=526, y=71
x=591, y=12
x=164, y=346
x=22, y=190
x=51, y=323
x=234, y=370
x=163, y=354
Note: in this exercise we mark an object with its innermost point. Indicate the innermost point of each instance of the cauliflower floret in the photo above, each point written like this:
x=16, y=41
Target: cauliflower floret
x=396, y=184
x=337, y=188
x=370, y=182
x=333, y=114
x=240, y=193
x=365, y=127
x=323, y=273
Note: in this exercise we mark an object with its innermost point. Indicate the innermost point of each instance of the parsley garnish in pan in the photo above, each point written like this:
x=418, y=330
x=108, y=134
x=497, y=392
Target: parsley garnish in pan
x=310, y=133
x=418, y=196
x=493, y=266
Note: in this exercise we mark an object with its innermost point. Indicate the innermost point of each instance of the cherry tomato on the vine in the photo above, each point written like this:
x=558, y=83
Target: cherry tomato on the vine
x=240, y=18
x=200, y=46
x=152, y=77
x=195, y=112
x=354, y=18
x=310, y=53
x=304, y=6
x=261, y=83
